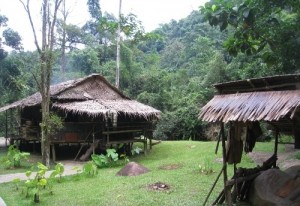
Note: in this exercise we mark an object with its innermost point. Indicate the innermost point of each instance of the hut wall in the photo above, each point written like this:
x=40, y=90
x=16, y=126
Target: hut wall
x=32, y=114
x=78, y=128
x=30, y=119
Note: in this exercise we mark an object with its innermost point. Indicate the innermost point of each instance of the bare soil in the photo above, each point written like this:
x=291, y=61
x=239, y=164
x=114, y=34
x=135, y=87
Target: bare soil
x=170, y=167
x=285, y=160
x=158, y=186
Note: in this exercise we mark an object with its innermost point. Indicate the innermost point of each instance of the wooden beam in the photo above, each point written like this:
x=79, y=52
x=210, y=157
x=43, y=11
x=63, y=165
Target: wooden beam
x=226, y=189
x=6, y=128
x=276, y=145
x=296, y=134
x=263, y=88
x=212, y=188
x=53, y=152
x=122, y=131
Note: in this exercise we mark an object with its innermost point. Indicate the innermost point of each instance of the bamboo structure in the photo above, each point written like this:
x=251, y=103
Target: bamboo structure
x=92, y=111
x=242, y=105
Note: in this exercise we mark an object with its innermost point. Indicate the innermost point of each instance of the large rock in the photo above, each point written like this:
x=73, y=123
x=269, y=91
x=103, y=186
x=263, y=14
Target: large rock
x=275, y=187
x=132, y=169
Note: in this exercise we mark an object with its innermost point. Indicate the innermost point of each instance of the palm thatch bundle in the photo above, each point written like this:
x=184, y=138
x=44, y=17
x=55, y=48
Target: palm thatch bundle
x=92, y=95
x=96, y=107
x=252, y=106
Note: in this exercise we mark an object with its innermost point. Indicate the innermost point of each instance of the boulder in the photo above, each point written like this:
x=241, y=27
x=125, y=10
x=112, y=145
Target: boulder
x=275, y=187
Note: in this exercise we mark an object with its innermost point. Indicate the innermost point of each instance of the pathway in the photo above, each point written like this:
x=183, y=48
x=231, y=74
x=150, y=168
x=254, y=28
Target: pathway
x=69, y=166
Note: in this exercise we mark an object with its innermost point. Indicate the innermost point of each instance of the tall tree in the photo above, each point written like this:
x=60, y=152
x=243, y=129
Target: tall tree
x=118, y=46
x=8, y=38
x=45, y=49
x=65, y=14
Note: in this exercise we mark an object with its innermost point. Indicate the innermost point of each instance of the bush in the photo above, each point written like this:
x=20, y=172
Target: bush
x=297, y=156
x=286, y=139
x=181, y=124
x=14, y=157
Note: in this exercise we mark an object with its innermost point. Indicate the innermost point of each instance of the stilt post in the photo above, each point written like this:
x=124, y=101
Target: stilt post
x=226, y=188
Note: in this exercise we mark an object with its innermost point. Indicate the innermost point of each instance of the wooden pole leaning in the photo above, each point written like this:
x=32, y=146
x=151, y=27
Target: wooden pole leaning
x=226, y=188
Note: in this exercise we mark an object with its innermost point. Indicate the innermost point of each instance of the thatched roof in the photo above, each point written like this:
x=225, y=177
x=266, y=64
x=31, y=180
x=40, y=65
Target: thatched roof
x=252, y=106
x=274, y=98
x=106, y=107
x=92, y=95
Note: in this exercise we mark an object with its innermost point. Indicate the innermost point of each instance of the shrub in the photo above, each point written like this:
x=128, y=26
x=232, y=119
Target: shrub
x=297, y=156
x=14, y=157
x=286, y=138
x=34, y=185
x=112, y=158
x=90, y=168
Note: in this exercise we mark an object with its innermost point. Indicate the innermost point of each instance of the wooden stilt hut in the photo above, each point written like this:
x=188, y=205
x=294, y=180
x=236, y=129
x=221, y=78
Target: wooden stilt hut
x=241, y=105
x=93, y=112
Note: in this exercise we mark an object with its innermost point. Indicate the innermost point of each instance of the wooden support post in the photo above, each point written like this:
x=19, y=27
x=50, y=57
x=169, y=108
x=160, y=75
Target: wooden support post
x=296, y=134
x=33, y=147
x=226, y=188
x=53, y=152
x=213, y=187
x=145, y=146
x=6, y=128
x=145, y=142
x=93, y=143
x=276, y=145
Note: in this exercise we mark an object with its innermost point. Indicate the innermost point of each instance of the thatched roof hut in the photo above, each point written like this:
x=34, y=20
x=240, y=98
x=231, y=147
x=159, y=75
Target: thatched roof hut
x=92, y=95
x=92, y=110
x=272, y=99
x=243, y=104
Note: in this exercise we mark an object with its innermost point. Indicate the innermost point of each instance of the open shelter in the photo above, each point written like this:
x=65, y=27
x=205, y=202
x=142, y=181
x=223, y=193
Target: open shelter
x=242, y=105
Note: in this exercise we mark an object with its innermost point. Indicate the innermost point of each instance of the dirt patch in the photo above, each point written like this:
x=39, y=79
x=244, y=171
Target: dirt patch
x=285, y=160
x=170, y=167
x=158, y=186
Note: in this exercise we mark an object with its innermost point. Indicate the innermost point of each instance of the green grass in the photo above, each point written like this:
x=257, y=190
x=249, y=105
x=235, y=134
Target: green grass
x=268, y=147
x=188, y=186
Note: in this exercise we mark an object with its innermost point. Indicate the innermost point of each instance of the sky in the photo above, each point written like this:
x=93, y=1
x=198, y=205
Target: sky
x=151, y=13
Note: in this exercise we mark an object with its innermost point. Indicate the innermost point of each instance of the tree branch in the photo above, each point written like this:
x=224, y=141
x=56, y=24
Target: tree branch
x=27, y=9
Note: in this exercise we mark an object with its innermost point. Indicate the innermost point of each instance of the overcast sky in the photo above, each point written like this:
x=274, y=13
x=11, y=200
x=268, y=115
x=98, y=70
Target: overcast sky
x=150, y=12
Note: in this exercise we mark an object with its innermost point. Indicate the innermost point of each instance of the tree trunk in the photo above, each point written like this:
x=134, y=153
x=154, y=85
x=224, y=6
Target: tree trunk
x=118, y=47
x=45, y=139
x=46, y=65
x=63, y=45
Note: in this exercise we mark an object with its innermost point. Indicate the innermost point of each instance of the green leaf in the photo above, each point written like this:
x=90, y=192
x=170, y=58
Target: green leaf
x=42, y=182
x=28, y=173
x=41, y=166
x=213, y=7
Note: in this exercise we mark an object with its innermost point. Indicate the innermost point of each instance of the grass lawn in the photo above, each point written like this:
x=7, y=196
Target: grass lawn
x=188, y=186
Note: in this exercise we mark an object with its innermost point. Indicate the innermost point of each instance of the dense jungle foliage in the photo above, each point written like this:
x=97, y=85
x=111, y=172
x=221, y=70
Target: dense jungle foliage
x=172, y=68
